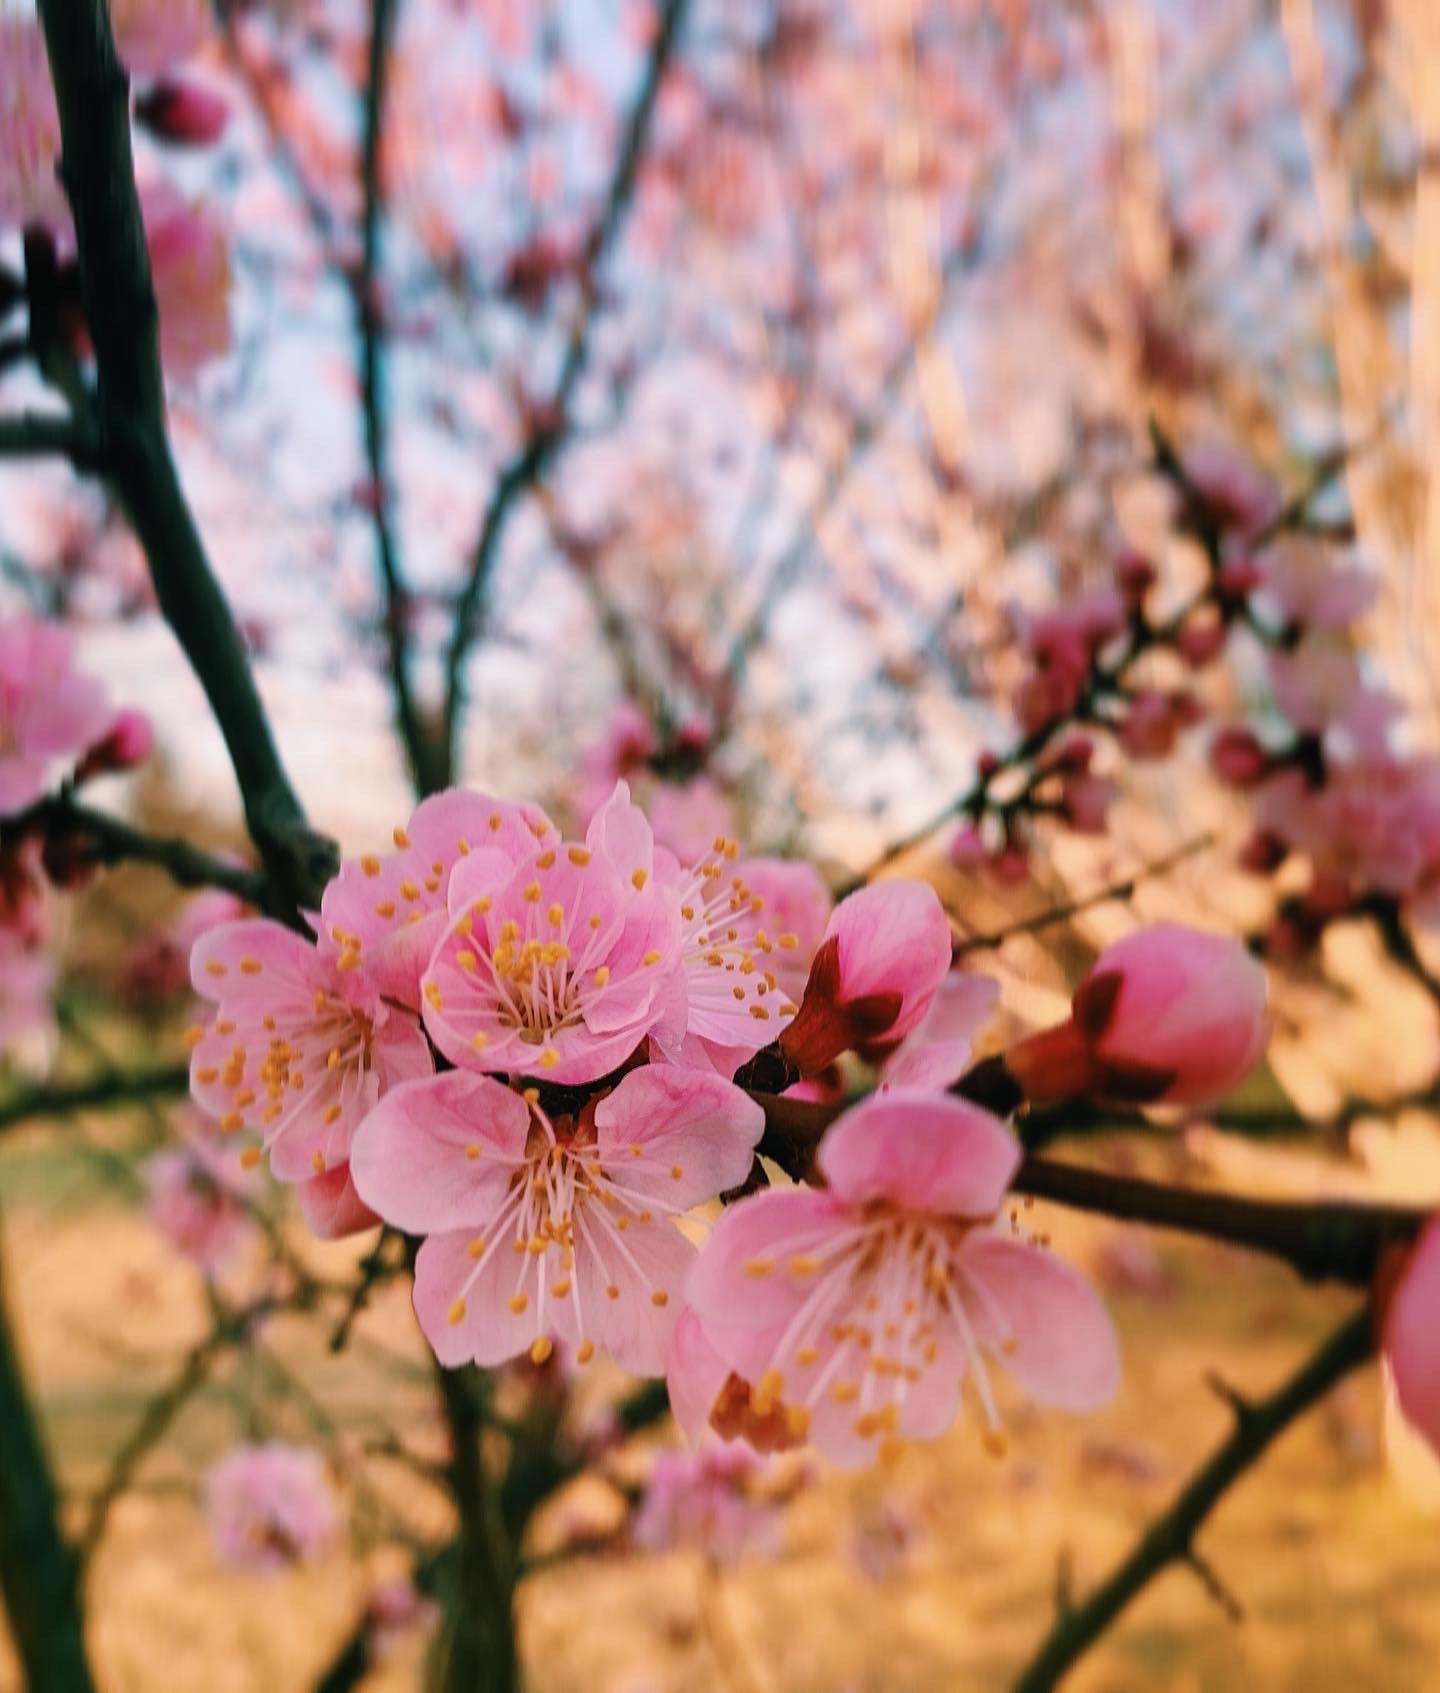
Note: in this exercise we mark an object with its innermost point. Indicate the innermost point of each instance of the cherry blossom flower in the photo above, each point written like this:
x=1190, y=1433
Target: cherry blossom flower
x=190, y=263
x=197, y=1202
x=270, y=1507
x=1236, y=491
x=1412, y=1337
x=621, y=753
x=50, y=714
x=1169, y=1015
x=687, y=818
x=151, y=36
x=707, y=1501
x=30, y=191
x=157, y=965
x=545, y=1230
x=1302, y=584
x=300, y=1048
x=885, y=951
x=860, y=1309
x=559, y=964
x=392, y=909
x=741, y=961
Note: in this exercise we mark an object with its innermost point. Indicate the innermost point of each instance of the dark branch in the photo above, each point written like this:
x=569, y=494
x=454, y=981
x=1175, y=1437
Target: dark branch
x=120, y=309
x=1171, y=1539
x=108, y=841
x=96, y=1094
x=32, y=436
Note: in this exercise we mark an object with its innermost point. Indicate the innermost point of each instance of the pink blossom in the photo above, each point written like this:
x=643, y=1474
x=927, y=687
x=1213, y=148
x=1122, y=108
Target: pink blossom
x=184, y=112
x=157, y=966
x=686, y=819
x=331, y=1206
x=50, y=714
x=621, y=753
x=197, y=1202
x=1154, y=721
x=152, y=36
x=559, y=964
x=397, y=1609
x=190, y=263
x=741, y=961
x=861, y=1308
x=392, y=909
x=1300, y=581
x=706, y=1501
x=1085, y=801
x=270, y=1507
x=127, y=745
x=885, y=951
x=1169, y=1015
x=1412, y=1337
x=1315, y=684
x=27, y=983
x=936, y=1052
x=1238, y=758
x=301, y=1046
x=549, y=1230
x=30, y=191
x=1236, y=491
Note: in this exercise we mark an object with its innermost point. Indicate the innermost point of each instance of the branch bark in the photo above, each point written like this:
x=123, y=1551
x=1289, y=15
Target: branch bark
x=1171, y=1539
x=119, y=298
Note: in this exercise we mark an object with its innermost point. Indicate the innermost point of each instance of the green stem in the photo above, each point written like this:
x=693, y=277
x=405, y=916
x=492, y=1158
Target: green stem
x=95, y=1093
x=1171, y=1539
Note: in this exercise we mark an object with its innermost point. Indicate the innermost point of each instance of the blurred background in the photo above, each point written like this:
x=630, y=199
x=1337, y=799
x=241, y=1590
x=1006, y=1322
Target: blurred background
x=714, y=401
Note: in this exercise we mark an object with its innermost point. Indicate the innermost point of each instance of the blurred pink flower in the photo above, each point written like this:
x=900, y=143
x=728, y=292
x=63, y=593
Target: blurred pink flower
x=1169, y=1015
x=397, y=1608
x=270, y=1507
x=30, y=191
x=686, y=819
x=301, y=1047
x=1300, y=581
x=860, y=1308
x=1241, y=496
x=49, y=713
x=559, y=963
x=543, y=1230
x=196, y=1201
x=937, y=1050
x=184, y=112
x=705, y=1501
x=157, y=965
x=885, y=951
x=152, y=36
x=1412, y=1337
x=190, y=262
x=27, y=982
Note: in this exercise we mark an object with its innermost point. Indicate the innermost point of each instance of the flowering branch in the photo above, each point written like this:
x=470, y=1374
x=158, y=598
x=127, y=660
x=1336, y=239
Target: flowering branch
x=120, y=309
x=548, y=437
x=106, y=840
x=1319, y=1240
x=97, y=1093
x=1171, y=1539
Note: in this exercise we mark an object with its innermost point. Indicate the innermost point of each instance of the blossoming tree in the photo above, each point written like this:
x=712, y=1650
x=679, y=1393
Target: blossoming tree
x=648, y=1123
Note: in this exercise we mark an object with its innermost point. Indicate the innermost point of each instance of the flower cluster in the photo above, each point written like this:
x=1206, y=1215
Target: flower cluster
x=523, y=1052
x=189, y=254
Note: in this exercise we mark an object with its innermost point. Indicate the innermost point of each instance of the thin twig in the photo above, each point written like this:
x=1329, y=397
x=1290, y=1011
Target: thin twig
x=31, y=435
x=95, y=1094
x=1170, y=1540
x=110, y=841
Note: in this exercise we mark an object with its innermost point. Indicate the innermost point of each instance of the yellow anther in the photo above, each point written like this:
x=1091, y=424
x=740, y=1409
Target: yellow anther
x=400, y=838
x=532, y=891
x=585, y=1351
x=193, y=1036
x=759, y=1267
x=994, y=1443
x=579, y=855
x=333, y=1113
x=434, y=996
x=602, y=975
x=250, y=966
x=432, y=884
x=332, y=1058
x=767, y=1391
x=207, y=1075
x=246, y=1096
x=462, y=846
x=738, y=992
x=806, y=1355
x=472, y=1152
x=561, y=1288
x=546, y=860
x=408, y=890
x=216, y=968
x=465, y=959
x=518, y=1302
x=385, y=908
x=804, y=1265
x=348, y=960
x=556, y=914
x=660, y=1299
x=797, y=1420
x=270, y=1113
x=548, y=1059
x=541, y=1348
x=250, y=1157
x=456, y=1313
x=531, y=1096
x=231, y=1121
x=760, y=1013
x=612, y=1292
x=652, y=957
x=370, y=864
x=317, y=1163
x=476, y=1248
x=495, y=821
x=638, y=879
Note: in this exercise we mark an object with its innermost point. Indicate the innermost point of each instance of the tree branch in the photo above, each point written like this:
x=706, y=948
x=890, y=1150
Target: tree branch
x=1171, y=1539
x=549, y=437
x=37, y=1568
x=120, y=309
x=36, y=435
x=110, y=841
x=95, y=1094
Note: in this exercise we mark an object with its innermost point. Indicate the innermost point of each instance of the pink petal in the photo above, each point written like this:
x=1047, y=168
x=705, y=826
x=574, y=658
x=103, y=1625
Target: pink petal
x=1412, y=1337
x=695, y=1373
x=255, y=962
x=894, y=938
x=1057, y=1339
x=331, y=1206
x=695, y=1132
x=925, y=1152
x=412, y=1157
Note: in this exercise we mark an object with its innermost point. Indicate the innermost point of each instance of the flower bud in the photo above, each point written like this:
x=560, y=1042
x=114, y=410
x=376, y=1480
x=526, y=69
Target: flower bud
x=1412, y=1336
x=183, y=113
x=129, y=742
x=1169, y=1015
x=1237, y=757
x=884, y=953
